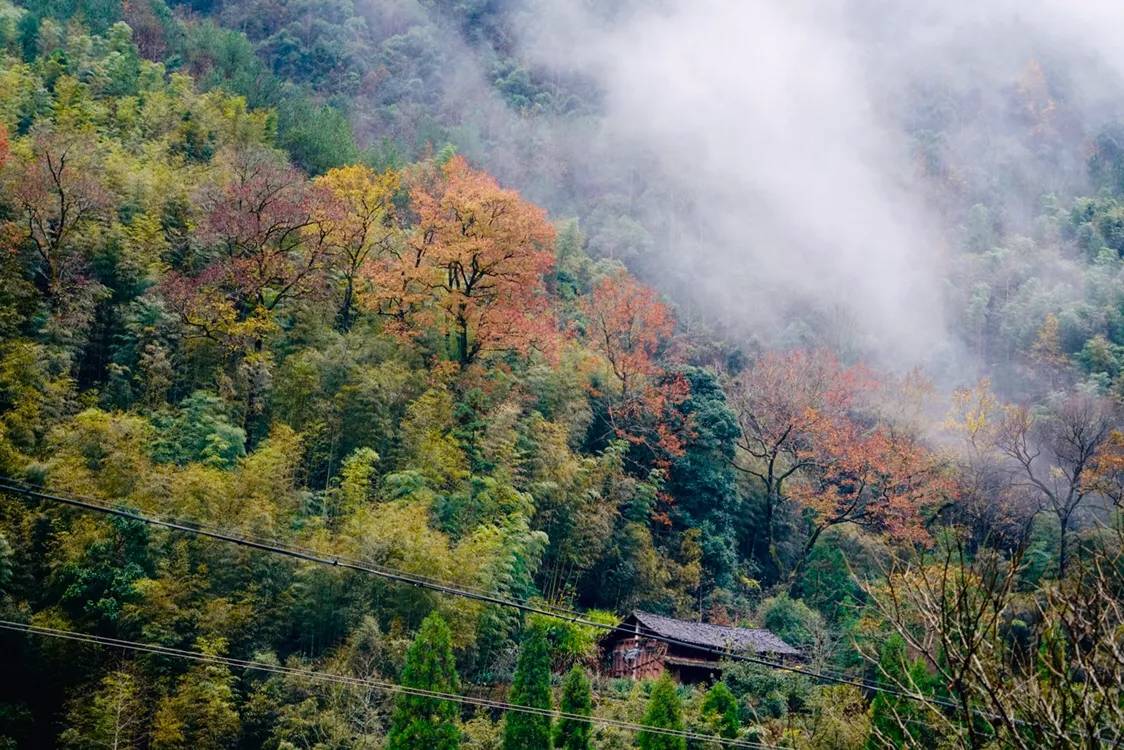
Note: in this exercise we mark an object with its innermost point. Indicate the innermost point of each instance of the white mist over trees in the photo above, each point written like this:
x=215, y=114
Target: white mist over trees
x=776, y=155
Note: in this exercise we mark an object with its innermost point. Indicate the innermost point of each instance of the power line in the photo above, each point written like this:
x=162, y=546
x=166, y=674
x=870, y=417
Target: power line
x=283, y=548
x=279, y=547
x=387, y=687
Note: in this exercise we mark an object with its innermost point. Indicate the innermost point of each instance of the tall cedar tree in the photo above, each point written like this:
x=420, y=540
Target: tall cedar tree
x=720, y=709
x=665, y=711
x=574, y=734
x=427, y=722
x=531, y=687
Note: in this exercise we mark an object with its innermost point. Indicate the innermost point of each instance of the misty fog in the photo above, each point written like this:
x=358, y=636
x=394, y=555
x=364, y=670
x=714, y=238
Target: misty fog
x=765, y=161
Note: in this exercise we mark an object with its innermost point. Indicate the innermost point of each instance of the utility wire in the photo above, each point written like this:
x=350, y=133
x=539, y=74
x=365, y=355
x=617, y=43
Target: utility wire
x=276, y=546
x=308, y=555
x=387, y=687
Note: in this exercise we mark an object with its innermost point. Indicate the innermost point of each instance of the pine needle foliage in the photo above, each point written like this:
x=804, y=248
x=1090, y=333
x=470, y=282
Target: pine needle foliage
x=420, y=722
x=531, y=687
x=720, y=709
x=577, y=698
x=665, y=711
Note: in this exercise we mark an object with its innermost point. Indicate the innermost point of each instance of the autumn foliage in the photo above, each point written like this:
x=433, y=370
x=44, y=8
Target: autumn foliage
x=1106, y=473
x=215, y=308
x=265, y=219
x=358, y=217
x=473, y=265
x=59, y=194
x=272, y=247
x=630, y=327
x=811, y=436
x=874, y=476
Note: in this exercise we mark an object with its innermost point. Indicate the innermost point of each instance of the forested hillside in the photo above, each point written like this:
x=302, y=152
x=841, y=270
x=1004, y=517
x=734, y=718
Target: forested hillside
x=305, y=400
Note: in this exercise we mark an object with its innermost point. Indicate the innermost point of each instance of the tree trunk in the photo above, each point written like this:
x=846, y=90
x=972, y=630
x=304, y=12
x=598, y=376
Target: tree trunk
x=344, y=316
x=772, y=558
x=462, y=338
x=804, y=553
x=1063, y=544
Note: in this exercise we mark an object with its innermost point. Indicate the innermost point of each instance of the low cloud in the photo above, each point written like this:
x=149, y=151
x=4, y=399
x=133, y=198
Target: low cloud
x=770, y=149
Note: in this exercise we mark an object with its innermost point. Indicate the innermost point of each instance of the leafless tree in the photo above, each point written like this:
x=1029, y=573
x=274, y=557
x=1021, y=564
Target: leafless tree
x=1053, y=453
x=1020, y=670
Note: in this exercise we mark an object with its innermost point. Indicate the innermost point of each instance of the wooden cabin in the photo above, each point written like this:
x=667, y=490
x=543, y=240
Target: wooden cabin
x=646, y=646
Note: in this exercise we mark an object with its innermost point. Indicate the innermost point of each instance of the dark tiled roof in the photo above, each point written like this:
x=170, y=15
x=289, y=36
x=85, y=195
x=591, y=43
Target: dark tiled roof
x=745, y=640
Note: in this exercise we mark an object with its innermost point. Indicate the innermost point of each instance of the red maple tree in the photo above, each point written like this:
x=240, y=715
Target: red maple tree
x=473, y=266
x=628, y=324
x=272, y=247
x=809, y=436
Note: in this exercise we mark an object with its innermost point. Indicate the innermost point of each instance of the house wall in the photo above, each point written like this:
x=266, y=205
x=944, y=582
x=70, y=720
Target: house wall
x=642, y=658
x=637, y=658
x=632, y=652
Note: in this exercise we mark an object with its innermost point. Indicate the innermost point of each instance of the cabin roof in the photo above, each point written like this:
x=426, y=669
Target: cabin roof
x=744, y=640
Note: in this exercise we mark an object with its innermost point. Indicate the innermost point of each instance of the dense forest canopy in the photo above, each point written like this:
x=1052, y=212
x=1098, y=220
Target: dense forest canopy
x=397, y=349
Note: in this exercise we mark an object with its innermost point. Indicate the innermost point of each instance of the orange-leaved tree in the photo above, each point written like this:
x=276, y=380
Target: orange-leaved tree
x=1106, y=474
x=785, y=402
x=473, y=266
x=628, y=324
x=878, y=477
x=809, y=437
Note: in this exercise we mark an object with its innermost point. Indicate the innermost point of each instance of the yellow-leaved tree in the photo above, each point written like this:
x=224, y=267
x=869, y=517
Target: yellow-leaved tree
x=359, y=217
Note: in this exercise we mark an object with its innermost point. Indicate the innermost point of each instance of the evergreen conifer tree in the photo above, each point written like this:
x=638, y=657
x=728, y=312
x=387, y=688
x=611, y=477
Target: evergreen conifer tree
x=531, y=687
x=665, y=711
x=720, y=709
x=899, y=722
x=574, y=734
x=420, y=722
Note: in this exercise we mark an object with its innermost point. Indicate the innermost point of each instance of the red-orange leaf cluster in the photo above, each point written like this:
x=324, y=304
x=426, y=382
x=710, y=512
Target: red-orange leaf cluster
x=809, y=436
x=786, y=400
x=1106, y=473
x=473, y=266
x=630, y=327
x=876, y=477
